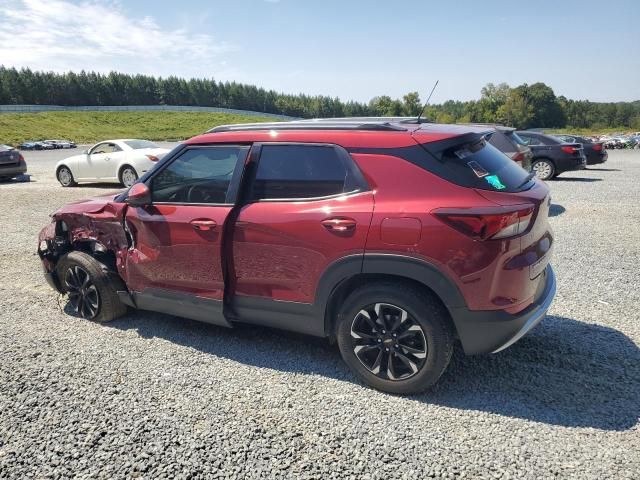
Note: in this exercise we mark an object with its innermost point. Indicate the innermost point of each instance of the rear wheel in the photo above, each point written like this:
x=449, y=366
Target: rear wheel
x=128, y=176
x=544, y=169
x=91, y=291
x=65, y=177
x=395, y=339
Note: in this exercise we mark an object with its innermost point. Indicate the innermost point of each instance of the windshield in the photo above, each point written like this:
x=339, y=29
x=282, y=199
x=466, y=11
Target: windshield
x=138, y=144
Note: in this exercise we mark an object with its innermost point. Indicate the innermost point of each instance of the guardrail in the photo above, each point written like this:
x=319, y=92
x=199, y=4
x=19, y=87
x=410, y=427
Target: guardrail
x=125, y=108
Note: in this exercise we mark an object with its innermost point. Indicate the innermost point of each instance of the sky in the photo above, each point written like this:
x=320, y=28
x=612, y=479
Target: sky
x=350, y=49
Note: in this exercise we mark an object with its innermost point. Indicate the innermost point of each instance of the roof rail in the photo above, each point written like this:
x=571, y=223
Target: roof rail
x=348, y=123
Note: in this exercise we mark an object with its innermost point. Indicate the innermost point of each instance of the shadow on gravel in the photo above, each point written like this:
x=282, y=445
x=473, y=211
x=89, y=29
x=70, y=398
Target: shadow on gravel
x=591, y=169
x=113, y=186
x=577, y=179
x=556, y=209
x=565, y=372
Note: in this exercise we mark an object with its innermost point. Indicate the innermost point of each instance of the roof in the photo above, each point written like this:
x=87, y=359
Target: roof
x=373, y=132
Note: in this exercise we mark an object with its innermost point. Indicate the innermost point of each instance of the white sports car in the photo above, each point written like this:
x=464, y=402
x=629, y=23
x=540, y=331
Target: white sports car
x=121, y=161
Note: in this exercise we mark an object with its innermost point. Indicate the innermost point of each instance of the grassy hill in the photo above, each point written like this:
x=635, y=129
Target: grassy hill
x=89, y=127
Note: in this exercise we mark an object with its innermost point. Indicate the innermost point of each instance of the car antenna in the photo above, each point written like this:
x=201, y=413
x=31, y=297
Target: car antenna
x=427, y=102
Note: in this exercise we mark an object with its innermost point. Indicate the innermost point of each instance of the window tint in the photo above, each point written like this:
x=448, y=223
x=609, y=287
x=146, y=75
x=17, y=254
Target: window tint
x=301, y=171
x=199, y=175
x=501, y=142
x=481, y=165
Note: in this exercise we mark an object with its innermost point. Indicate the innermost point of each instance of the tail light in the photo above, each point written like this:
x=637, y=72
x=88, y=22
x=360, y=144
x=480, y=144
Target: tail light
x=20, y=157
x=518, y=157
x=597, y=147
x=486, y=224
x=153, y=158
x=569, y=149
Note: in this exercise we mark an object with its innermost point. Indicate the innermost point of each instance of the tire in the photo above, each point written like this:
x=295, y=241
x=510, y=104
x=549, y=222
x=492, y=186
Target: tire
x=65, y=177
x=91, y=289
x=545, y=169
x=128, y=176
x=425, y=329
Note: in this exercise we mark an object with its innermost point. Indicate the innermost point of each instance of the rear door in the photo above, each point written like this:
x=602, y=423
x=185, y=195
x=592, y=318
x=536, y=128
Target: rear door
x=176, y=253
x=306, y=206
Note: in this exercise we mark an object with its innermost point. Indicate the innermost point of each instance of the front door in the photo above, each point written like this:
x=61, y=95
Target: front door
x=101, y=161
x=176, y=253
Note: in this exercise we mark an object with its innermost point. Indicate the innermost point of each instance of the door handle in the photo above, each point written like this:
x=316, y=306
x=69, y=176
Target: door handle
x=203, y=224
x=339, y=225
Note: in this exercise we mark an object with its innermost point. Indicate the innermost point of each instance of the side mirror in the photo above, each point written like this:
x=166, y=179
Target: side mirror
x=139, y=195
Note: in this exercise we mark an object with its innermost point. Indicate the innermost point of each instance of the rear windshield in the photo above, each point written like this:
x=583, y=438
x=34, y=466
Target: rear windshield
x=480, y=165
x=138, y=144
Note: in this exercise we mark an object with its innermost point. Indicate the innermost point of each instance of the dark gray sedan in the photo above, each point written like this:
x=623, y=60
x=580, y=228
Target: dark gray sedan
x=12, y=163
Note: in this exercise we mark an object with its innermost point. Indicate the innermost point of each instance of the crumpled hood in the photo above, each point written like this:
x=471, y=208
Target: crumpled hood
x=90, y=205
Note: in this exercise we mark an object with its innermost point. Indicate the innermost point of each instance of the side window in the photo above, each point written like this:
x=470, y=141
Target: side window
x=531, y=140
x=198, y=175
x=106, y=148
x=302, y=171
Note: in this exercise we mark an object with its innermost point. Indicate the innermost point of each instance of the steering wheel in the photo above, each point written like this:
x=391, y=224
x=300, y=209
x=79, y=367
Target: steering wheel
x=198, y=194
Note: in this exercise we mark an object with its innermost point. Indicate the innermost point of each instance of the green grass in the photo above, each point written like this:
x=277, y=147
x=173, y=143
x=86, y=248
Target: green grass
x=90, y=127
x=588, y=132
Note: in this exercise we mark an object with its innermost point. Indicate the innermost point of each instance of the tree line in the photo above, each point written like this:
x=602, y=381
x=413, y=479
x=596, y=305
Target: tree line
x=524, y=106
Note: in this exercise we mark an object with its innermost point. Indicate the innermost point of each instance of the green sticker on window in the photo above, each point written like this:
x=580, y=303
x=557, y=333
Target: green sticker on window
x=495, y=182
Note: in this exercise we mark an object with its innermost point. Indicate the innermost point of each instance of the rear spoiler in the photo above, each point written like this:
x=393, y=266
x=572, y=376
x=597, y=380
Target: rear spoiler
x=439, y=147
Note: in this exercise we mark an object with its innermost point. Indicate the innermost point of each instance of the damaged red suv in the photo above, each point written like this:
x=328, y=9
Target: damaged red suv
x=392, y=237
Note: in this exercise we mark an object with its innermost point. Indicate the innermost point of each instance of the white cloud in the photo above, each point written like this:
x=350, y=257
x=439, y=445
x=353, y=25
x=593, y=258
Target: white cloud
x=61, y=35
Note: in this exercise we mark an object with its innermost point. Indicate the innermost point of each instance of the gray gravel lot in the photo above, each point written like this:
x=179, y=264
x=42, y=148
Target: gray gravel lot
x=155, y=396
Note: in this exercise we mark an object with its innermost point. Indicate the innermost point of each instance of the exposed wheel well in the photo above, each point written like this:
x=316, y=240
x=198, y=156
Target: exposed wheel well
x=344, y=288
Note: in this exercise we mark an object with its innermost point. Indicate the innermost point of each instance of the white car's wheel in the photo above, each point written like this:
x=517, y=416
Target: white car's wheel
x=65, y=177
x=128, y=176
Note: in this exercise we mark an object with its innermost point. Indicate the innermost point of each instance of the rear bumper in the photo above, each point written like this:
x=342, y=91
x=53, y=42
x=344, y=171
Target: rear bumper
x=493, y=331
x=570, y=163
x=597, y=159
x=13, y=170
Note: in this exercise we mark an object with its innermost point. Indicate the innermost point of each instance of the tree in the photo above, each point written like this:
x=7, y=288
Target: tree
x=516, y=111
x=412, y=104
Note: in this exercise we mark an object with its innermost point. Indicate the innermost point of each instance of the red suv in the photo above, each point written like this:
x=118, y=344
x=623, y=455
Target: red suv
x=392, y=237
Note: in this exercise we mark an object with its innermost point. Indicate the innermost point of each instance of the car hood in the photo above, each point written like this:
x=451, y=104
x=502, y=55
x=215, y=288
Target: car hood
x=90, y=205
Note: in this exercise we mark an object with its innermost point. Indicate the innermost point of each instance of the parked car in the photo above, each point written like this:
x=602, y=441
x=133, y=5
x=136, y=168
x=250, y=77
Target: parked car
x=35, y=145
x=61, y=143
x=508, y=142
x=551, y=156
x=594, y=151
x=274, y=224
x=12, y=163
x=121, y=161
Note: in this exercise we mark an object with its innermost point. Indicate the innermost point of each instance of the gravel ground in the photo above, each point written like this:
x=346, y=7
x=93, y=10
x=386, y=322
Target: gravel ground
x=155, y=396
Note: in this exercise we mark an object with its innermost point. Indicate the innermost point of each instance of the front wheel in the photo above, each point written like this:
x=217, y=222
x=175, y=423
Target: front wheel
x=92, y=293
x=395, y=339
x=128, y=176
x=65, y=177
x=544, y=169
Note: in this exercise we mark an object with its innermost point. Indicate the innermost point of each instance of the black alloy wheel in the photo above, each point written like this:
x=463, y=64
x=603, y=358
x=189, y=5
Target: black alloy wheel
x=83, y=293
x=388, y=341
